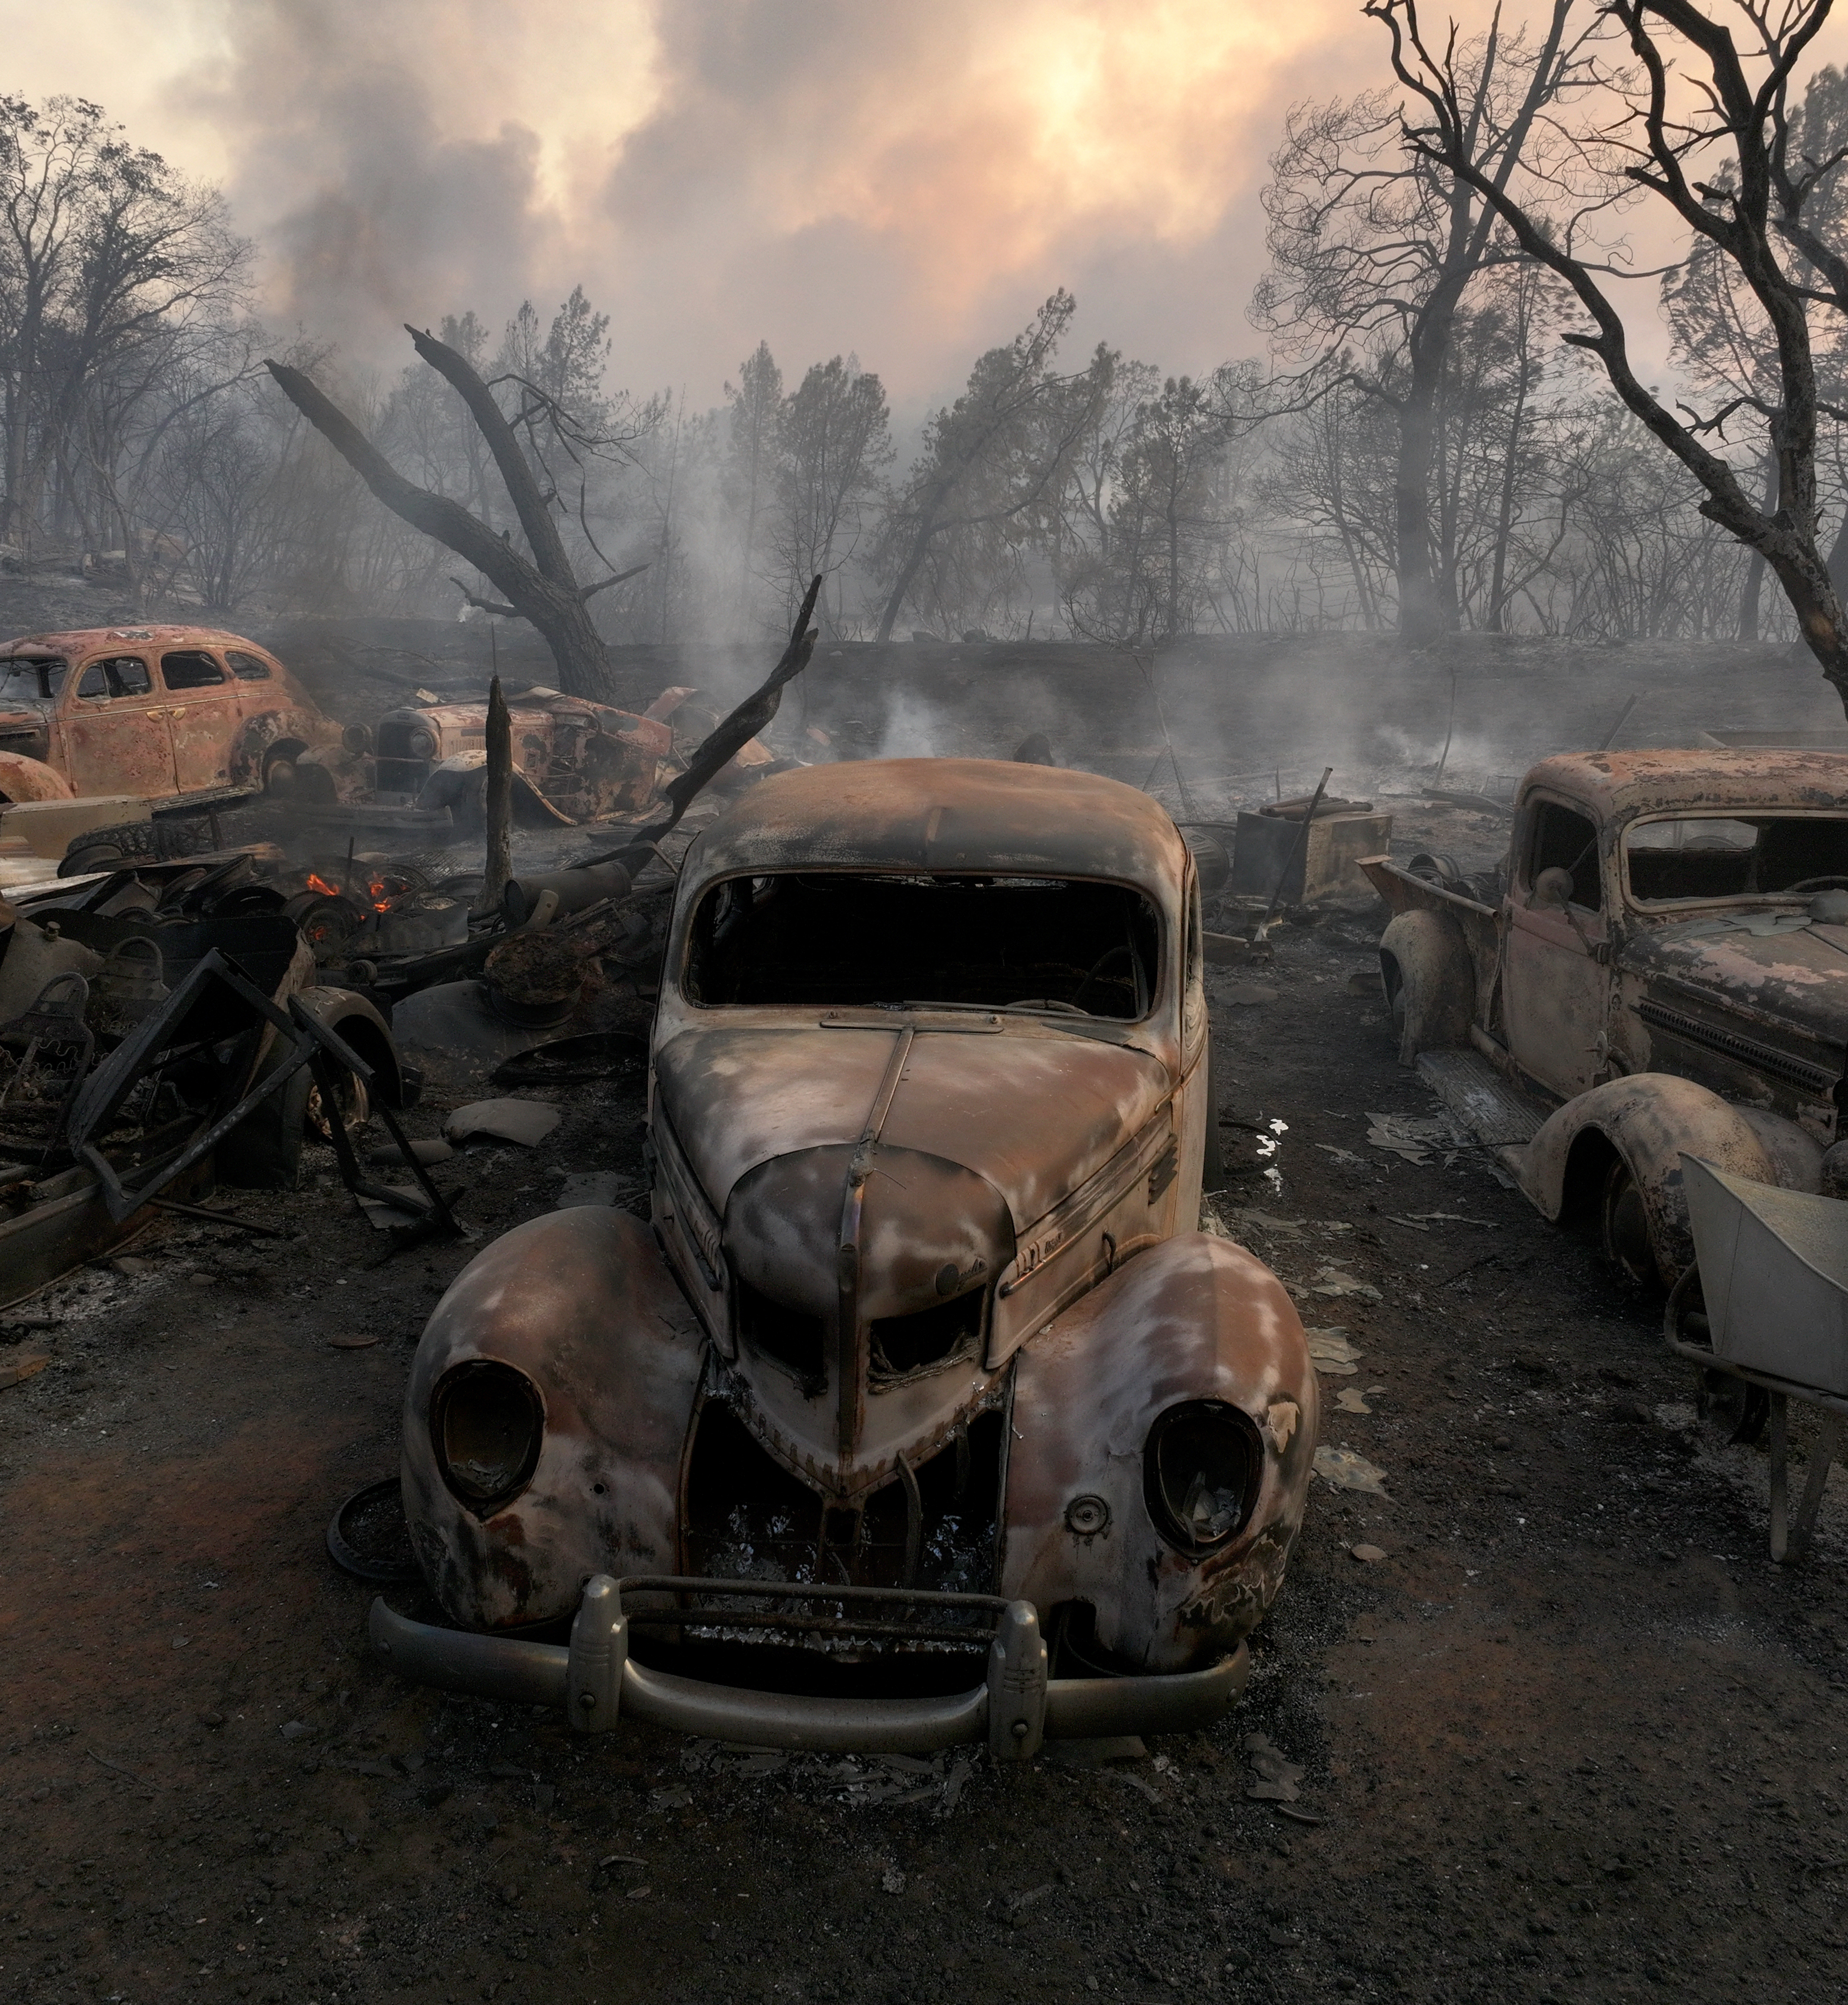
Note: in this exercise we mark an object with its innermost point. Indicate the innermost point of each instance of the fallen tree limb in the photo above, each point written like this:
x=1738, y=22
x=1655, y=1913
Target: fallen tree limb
x=722, y=745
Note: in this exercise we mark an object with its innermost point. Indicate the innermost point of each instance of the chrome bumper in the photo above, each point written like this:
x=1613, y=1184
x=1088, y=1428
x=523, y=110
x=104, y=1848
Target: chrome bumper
x=1014, y=1710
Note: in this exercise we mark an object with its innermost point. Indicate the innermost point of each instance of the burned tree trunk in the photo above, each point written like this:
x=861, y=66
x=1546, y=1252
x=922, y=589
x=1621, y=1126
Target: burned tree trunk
x=499, y=800
x=541, y=587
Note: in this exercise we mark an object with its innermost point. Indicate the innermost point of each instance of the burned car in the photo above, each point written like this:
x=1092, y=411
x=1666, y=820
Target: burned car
x=1662, y=967
x=574, y=761
x=921, y=1413
x=160, y=712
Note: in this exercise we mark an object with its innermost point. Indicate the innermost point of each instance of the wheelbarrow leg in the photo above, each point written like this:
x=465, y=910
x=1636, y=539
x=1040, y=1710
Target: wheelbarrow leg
x=1789, y=1537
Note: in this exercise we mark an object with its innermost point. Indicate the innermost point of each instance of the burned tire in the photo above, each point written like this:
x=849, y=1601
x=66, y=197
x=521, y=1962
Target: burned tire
x=1623, y=1220
x=108, y=848
x=264, y=1152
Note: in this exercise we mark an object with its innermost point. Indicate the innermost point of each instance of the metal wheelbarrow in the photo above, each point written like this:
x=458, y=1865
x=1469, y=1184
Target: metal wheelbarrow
x=1766, y=1302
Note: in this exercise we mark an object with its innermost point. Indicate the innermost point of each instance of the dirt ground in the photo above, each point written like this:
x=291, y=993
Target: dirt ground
x=1571, y=1737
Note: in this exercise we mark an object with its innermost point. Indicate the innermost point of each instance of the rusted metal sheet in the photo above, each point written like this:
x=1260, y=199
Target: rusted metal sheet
x=1617, y=785
x=946, y=815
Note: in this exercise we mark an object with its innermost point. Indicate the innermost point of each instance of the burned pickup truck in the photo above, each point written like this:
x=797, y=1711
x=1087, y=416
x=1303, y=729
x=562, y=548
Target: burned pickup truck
x=923, y=1414
x=1664, y=968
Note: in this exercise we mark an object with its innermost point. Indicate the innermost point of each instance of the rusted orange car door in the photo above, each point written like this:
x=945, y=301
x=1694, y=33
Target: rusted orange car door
x=113, y=723
x=201, y=710
x=1554, y=984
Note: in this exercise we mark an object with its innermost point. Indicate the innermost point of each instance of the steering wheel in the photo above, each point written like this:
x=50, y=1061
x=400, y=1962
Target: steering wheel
x=1102, y=962
x=1826, y=883
x=1047, y=1003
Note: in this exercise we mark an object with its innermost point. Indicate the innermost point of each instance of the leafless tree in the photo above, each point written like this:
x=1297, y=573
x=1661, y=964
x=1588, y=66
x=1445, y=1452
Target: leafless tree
x=1705, y=126
x=115, y=272
x=1372, y=249
x=833, y=441
x=540, y=585
x=992, y=460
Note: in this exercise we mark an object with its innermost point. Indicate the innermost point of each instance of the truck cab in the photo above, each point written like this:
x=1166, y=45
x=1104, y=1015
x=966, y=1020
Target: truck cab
x=1666, y=968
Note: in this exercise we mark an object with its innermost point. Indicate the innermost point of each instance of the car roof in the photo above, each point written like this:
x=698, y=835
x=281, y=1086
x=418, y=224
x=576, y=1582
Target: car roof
x=85, y=640
x=1621, y=784
x=947, y=815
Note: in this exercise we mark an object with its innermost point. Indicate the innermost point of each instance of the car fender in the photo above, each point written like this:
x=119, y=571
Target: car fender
x=1424, y=954
x=24, y=779
x=1195, y=1318
x=1648, y=1119
x=581, y=1301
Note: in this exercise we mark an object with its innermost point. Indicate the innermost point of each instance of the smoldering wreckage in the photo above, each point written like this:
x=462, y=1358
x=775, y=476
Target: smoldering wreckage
x=932, y=1406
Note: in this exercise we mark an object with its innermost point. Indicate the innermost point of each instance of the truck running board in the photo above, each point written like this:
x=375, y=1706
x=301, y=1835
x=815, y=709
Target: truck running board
x=1498, y=1115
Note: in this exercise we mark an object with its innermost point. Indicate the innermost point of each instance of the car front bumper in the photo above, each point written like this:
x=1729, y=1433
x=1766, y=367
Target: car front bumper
x=596, y=1682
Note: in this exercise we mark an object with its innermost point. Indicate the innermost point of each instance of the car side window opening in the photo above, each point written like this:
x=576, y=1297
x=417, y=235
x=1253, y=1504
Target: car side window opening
x=32, y=678
x=247, y=668
x=190, y=669
x=1728, y=856
x=1560, y=837
x=850, y=938
x=114, y=676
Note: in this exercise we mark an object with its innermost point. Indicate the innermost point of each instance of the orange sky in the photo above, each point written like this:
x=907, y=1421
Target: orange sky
x=906, y=182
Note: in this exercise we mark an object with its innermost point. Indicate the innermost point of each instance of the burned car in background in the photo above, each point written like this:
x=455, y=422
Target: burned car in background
x=1663, y=967
x=924, y=1413
x=574, y=761
x=159, y=712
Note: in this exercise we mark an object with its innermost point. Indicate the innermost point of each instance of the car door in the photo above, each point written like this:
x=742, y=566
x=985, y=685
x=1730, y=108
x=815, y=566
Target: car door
x=202, y=712
x=116, y=739
x=1555, y=981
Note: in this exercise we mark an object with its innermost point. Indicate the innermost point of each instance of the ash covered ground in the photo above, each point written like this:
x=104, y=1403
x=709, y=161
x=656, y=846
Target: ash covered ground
x=1570, y=1735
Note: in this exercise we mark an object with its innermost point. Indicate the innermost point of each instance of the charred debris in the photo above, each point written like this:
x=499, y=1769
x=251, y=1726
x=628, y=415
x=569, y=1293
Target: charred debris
x=183, y=1020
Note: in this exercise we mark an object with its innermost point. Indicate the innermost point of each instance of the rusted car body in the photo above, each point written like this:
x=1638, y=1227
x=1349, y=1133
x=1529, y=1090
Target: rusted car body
x=923, y=1383
x=574, y=760
x=159, y=712
x=1666, y=970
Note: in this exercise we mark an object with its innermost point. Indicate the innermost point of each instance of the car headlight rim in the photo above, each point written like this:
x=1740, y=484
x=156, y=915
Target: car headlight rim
x=1203, y=1466
x=487, y=1425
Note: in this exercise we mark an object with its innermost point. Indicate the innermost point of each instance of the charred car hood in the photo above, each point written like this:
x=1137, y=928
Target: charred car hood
x=1032, y=1115
x=1794, y=978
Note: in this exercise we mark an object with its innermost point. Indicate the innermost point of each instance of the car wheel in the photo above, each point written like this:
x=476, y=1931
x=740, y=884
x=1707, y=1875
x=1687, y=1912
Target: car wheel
x=264, y=1151
x=1625, y=1221
x=82, y=862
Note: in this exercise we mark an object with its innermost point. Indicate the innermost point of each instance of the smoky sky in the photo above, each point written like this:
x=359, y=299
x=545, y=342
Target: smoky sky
x=903, y=183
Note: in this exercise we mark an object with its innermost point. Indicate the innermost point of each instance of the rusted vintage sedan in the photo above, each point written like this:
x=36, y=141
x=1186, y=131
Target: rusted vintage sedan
x=922, y=1413
x=161, y=712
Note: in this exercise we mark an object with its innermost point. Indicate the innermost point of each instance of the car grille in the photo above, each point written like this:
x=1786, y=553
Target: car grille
x=1774, y=1064
x=902, y=1345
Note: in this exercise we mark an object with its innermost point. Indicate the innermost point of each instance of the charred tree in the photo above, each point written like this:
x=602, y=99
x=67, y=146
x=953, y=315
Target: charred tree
x=541, y=586
x=1724, y=159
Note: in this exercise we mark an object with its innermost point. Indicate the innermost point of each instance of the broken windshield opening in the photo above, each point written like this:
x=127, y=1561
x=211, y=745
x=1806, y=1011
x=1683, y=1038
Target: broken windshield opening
x=852, y=939
x=1726, y=856
x=32, y=678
